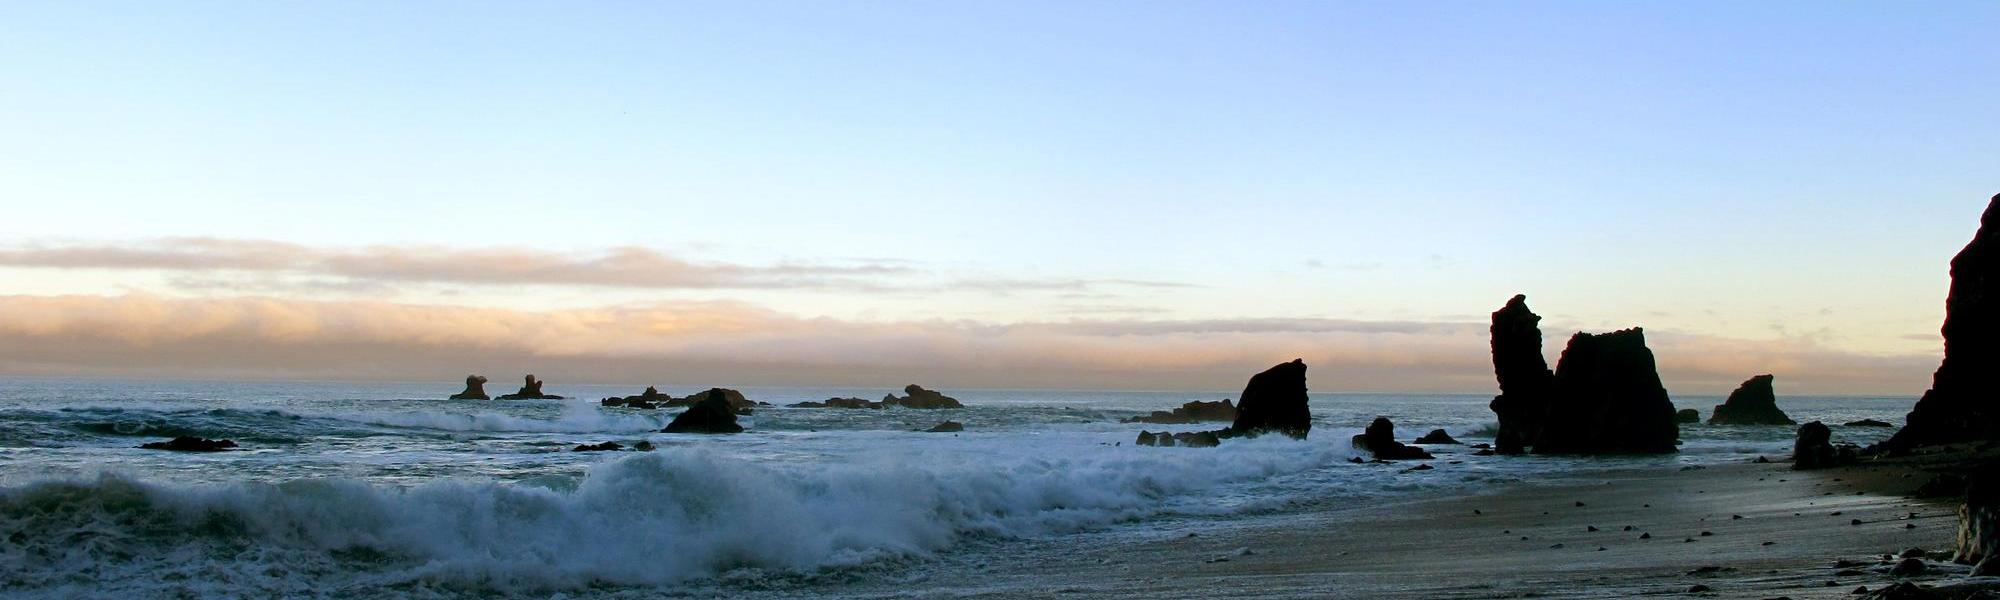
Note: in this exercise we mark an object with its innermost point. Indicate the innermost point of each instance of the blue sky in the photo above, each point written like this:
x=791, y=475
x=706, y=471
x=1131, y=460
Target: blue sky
x=1775, y=172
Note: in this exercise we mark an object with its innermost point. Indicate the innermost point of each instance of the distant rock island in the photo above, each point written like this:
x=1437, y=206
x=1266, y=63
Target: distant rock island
x=531, y=389
x=475, y=389
x=1753, y=403
x=839, y=403
x=918, y=397
x=1191, y=412
x=711, y=414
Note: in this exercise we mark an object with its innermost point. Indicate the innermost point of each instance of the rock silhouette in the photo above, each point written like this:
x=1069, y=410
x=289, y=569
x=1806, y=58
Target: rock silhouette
x=1814, y=448
x=1964, y=400
x=711, y=415
x=1866, y=423
x=1191, y=439
x=531, y=389
x=918, y=397
x=1608, y=399
x=1274, y=400
x=604, y=447
x=1192, y=412
x=191, y=444
x=1380, y=439
x=737, y=403
x=840, y=403
x=475, y=389
x=1526, y=384
x=1687, y=415
x=1753, y=403
x=1437, y=436
x=651, y=398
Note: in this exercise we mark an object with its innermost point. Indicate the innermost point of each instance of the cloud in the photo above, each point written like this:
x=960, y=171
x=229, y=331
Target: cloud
x=731, y=343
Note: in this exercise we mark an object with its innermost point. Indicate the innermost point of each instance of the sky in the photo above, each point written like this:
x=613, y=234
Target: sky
x=1132, y=195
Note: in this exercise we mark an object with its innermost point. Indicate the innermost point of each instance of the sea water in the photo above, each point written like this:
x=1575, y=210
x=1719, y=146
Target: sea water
x=387, y=489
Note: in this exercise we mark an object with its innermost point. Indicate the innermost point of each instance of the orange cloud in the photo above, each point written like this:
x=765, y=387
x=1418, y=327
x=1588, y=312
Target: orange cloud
x=728, y=343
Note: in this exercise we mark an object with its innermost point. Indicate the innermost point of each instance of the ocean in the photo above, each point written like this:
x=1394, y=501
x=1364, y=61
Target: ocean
x=354, y=489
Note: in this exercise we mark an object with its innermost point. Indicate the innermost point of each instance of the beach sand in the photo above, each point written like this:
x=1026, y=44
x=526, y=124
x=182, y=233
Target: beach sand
x=1749, y=530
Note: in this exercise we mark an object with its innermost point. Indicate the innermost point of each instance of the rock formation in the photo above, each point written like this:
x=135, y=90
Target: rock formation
x=1437, y=436
x=840, y=403
x=1380, y=439
x=946, y=427
x=1964, y=400
x=1192, y=412
x=1526, y=384
x=531, y=389
x=191, y=444
x=1866, y=423
x=711, y=415
x=1979, y=523
x=920, y=398
x=475, y=389
x=737, y=403
x=1687, y=415
x=1191, y=439
x=1608, y=399
x=651, y=398
x=1753, y=403
x=1814, y=448
x=604, y=447
x=1274, y=400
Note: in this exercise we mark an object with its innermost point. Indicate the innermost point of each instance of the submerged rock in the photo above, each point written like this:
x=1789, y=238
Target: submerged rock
x=191, y=444
x=1527, y=387
x=918, y=397
x=1687, y=415
x=531, y=389
x=946, y=427
x=1191, y=439
x=1191, y=412
x=1274, y=400
x=1814, y=448
x=1753, y=403
x=1380, y=439
x=475, y=389
x=1437, y=436
x=1608, y=399
x=604, y=447
x=711, y=415
x=1866, y=423
x=1963, y=403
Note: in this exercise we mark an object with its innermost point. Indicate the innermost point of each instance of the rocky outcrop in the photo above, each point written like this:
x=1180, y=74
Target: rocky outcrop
x=946, y=427
x=918, y=397
x=1380, y=439
x=531, y=389
x=711, y=415
x=840, y=403
x=1964, y=400
x=1192, y=412
x=1274, y=401
x=604, y=447
x=737, y=403
x=1608, y=399
x=1814, y=448
x=649, y=399
x=1979, y=523
x=1436, y=436
x=191, y=444
x=475, y=389
x=1687, y=416
x=1753, y=403
x=1526, y=384
x=1191, y=439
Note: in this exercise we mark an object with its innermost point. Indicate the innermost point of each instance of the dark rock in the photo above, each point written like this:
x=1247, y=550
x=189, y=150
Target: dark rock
x=711, y=415
x=475, y=389
x=604, y=447
x=1814, y=448
x=1147, y=438
x=1608, y=399
x=1963, y=403
x=735, y=399
x=649, y=399
x=1753, y=403
x=1979, y=521
x=191, y=444
x=1198, y=439
x=840, y=403
x=531, y=389
x=1526, y=385
x=1908, y=567
x=1380, y=440
x=643, y=446
x=1192, y=412
x=921, y=398
x=1274, y=400
x=1485, y=452
x=946, y=427
x=1866, y=423
x=1687, y=415
x=1436, y=436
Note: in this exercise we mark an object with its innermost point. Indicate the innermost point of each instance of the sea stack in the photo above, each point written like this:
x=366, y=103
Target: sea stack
x=531, y=389
x=1753, y=403
x=1608, y=399
x=1274, y=400
x=711, y=415
x=1526, y=384
x=475, y=389
x=1379, y=439
x=918, y=397
x=1964, y=400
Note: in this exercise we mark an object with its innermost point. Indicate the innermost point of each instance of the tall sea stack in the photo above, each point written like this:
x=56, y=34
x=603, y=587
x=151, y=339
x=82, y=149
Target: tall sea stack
x=1274, y=400
x=1964, y=400
x=1526, y=384
x=1753, y=403
x=1608, y=399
